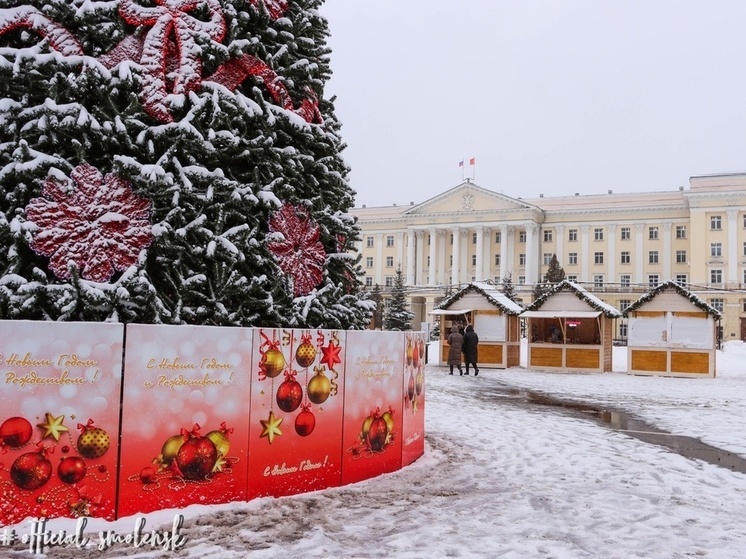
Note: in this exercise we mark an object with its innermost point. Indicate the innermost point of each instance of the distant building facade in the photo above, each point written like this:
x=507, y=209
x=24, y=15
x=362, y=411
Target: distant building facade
x=617, y=246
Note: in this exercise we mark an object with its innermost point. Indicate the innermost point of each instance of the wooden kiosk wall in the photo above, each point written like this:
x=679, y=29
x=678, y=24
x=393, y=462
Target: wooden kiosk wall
x=567, y=355
x=498, y=354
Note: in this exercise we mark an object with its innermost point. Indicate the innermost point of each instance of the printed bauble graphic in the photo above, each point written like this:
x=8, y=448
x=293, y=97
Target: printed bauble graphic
x=305, y=355
x=305, y=422
x=377, y=433
x=416, y=354
x=147, y=475
x=31, y=470
x=419, y=382
x=289, y=393
x=409, y=353
x=92, y=442
x=220, y=439
x=170, y=449
x=71, y=469
x=411, y=387
x=15, y=432
x=196, y=458
x=272, y=362
x=319, y=387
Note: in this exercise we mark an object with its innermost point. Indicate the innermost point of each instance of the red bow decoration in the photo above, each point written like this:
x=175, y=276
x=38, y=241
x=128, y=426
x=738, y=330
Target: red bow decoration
x=84, y=428
x=194, y=433
x=224, y=428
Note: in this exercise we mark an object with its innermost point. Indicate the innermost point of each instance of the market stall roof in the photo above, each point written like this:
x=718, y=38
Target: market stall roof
x=588, y=298
x=671, y=285
x=560, y=314
x=490, y=293
x=450, y=312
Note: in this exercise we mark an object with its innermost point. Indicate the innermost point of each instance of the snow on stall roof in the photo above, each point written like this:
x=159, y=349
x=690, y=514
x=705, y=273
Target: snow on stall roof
x=566, y=285
x=490, y=292
x=672, y=285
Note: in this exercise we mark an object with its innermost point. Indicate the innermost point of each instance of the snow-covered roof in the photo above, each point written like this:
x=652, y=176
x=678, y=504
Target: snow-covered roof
x=490, y=292
x=671, y=285
x=590, y=299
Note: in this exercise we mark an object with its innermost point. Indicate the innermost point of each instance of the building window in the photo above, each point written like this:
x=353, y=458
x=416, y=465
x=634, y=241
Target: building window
x=547, y=235
x=497, y=260
x=681, y=257
x=744, y=305
x=653, y=280
x=626, y=233
x=716, y=276
x=598, y=234
x=390, y=261
x=429, y=240
x=572, y=258
x=389, y=281
x=681, y=231
x=622, y=330
x=521, y=280
x=652, y=233
x=624, y=257
x=428, y=261
x=598, y=280
x=521, y=259
x=369, y=242
x=598, y=257
x=653, y=257
x=623, y=304
x=473, y=238
x=744, y=248
x=716, y=222
x=547, y=258
x=451, y=260
x=498, y=237
x=572, y=235
x=716, y=250
x=473, y=259
x=573, y=278
x=390, y=240
x=717, y=304
x=681, y=279
x=522, y=237
x=369, y=262
x=625, y=280
x=368, y=281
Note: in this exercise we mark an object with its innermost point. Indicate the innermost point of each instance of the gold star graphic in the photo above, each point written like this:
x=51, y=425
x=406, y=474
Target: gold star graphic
x=53, y=426
x=219, y=464
x=271, y=427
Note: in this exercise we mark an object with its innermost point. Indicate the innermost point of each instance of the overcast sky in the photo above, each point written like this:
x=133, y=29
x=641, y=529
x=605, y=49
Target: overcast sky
x=550, y=96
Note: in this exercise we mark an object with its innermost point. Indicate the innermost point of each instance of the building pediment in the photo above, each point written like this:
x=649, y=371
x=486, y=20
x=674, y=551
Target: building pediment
x=468, y=198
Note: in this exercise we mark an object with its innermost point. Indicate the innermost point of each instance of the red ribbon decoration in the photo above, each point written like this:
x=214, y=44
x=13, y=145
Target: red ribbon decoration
x=84, y=428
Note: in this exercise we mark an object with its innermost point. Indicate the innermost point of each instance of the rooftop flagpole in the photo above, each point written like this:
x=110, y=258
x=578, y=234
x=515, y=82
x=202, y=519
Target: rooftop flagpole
x=461, y=164
x=473, y=163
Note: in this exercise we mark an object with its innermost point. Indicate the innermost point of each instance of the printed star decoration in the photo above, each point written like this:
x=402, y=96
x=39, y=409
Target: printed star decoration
x=53, y=426
x=271, y=427
x=331, y=355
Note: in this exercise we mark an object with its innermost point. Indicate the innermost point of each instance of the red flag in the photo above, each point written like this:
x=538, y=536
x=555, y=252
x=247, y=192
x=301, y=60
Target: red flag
x=473, y=161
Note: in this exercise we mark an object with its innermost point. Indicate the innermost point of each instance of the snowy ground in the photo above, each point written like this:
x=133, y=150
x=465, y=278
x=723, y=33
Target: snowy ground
x=503, y=478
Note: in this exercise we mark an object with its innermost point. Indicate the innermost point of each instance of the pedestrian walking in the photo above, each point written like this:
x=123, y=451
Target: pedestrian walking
x=455, y=341
x=469, y=347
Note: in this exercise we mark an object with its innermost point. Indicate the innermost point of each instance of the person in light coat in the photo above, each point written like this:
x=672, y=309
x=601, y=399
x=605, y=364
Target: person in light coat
x=455, y=341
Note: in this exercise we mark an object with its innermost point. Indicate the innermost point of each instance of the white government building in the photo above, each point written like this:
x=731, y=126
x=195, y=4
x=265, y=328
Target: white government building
x=616, y=245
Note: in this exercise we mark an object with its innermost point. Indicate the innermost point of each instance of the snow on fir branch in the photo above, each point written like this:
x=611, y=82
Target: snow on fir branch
x=671, y=285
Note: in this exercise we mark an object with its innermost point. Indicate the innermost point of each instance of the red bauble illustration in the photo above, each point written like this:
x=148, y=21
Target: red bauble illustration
x=305, y=422
x=416, y=354
x=71, y=469
x=147, y=475
x=289, y=393
x=196, y=458
x=377, y=433
x=15, y=432
x=411, y=387
x=31, y=470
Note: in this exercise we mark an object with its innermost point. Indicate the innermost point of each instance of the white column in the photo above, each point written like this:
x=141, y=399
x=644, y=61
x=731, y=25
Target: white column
x=611, y=256
x=442, y=267
x=410, y=257
x=379, y=259
x=584, y=252
x=503, y=251
x=639, y=252
x=510, y=254
x=486, y=253
x=400, y=249
x=479, y=270
x=532, y=249
x=419, y=274
x=456, y=253
x=560, y=229
x=433, y=247
x=463, y=248
x=667, y=261
x=732, y=261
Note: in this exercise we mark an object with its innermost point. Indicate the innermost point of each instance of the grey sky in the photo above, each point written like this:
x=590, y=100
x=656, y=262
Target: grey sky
x=549, y=96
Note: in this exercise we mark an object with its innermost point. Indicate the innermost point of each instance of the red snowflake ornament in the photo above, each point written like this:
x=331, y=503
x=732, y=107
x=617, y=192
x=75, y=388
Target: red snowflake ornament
x=94, y=221
x=297, y=248
x=28, y=17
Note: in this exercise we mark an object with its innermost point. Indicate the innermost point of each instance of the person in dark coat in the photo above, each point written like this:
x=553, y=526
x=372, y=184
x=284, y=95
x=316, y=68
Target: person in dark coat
x=454, y=341
x=469, y=347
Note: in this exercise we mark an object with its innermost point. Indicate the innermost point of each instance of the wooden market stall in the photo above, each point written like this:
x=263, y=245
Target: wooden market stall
x=570, y=329
x=671, y=332
x=494, y=318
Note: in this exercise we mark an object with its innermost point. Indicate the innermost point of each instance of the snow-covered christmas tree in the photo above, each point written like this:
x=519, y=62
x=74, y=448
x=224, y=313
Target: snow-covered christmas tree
x=173, y=161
